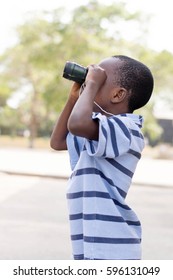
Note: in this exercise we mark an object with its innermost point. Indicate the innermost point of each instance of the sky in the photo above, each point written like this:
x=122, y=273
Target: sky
x=14, y=13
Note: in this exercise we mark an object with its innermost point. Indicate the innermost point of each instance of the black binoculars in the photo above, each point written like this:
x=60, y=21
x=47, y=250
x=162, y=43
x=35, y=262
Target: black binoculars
x=75, y=72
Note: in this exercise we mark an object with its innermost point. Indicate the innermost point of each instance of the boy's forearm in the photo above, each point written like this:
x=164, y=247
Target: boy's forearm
x=80, y=122
x=59, y=134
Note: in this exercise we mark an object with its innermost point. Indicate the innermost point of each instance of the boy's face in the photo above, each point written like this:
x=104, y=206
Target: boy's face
x=109, y=94
x=103, y=97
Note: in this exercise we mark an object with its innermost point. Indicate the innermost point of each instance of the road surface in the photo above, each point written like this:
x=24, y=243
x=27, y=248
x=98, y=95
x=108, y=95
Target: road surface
x=34, y=219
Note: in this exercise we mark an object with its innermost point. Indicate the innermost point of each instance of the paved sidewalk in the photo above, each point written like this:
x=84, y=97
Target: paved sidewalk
x=49, y=163
x=35, y=162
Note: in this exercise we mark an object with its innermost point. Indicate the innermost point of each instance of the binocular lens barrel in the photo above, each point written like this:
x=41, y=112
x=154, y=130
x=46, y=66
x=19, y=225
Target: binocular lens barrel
x=75, y=72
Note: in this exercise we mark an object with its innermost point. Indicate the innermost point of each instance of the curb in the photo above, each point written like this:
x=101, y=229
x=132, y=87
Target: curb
x=66, y=177
x=34, y=175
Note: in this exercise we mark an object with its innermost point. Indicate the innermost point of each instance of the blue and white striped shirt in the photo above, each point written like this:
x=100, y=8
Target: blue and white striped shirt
x=102, y=225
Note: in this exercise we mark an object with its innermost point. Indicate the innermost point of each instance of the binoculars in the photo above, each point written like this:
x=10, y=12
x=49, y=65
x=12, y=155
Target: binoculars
x=75, y=72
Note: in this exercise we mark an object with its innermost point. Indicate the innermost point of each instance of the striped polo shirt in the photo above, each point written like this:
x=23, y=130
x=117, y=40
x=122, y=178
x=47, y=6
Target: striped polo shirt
x=102, y=225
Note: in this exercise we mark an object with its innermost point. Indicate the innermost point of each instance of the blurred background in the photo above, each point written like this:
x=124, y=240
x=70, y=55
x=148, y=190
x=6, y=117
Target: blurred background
x=37, y=38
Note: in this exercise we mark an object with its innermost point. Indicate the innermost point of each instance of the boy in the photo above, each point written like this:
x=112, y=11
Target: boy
x=104, y=141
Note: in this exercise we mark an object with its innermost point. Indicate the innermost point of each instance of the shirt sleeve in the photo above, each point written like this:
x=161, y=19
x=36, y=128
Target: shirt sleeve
x=75, y=146
x=114, y=138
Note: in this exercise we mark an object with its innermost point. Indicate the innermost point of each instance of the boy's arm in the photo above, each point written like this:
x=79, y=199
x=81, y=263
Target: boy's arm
x=59, y=134
x=80, y=122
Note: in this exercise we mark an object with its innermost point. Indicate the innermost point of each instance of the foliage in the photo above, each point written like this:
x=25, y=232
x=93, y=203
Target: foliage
x=34, y=65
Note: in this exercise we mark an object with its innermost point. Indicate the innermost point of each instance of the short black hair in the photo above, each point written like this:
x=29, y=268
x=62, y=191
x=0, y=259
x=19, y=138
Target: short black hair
x=136, y=78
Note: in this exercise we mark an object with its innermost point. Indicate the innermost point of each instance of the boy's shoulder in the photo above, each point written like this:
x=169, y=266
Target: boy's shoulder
x=127, y=119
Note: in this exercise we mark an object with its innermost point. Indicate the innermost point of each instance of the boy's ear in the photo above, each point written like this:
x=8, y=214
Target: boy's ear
x=118, y=95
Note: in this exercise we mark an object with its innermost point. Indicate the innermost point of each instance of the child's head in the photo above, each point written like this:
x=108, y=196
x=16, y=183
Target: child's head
x=130, y=82
x=137, y=79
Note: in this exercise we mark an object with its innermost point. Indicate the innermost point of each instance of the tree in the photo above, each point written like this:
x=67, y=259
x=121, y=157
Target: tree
x=44, y=44
x=32, y=63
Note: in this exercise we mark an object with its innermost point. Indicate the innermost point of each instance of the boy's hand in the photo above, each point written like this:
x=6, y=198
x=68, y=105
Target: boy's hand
x=74, y=92
x=96, y=74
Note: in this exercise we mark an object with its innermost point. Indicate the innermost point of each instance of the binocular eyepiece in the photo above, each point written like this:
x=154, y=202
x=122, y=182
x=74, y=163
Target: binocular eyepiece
x=75, y=72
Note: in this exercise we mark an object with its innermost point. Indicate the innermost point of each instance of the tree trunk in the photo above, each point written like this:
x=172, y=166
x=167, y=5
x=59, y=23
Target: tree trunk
x=33, y=125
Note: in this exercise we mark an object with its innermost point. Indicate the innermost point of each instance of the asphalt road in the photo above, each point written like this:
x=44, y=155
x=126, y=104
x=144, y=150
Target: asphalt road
x=34, y=220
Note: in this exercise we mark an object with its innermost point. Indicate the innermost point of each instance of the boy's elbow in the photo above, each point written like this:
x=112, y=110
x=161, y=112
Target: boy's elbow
x=75, y=125
x=83, y=127
x=54, y=145
x=58, y=146
x=72, y=127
